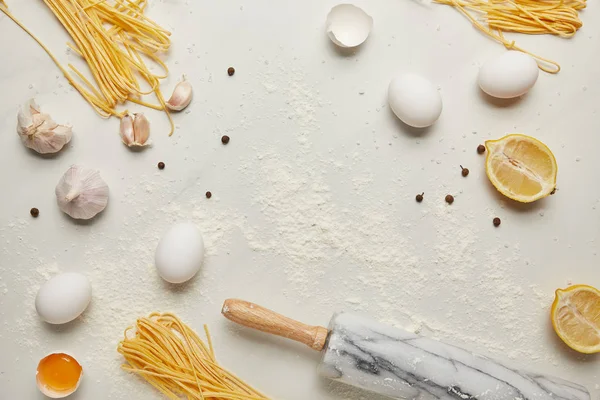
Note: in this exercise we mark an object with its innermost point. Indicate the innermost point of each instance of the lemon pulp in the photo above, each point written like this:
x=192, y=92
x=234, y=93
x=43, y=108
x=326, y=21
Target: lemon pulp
x=521, y=167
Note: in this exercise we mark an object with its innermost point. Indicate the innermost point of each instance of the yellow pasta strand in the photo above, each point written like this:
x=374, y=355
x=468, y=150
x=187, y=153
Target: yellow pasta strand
x=113, y=37
x=532, y=17
x=170, y=356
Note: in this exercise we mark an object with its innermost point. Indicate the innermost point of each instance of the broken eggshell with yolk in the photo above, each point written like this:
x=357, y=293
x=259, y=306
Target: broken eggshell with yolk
x=58, y=375
x=348, y=26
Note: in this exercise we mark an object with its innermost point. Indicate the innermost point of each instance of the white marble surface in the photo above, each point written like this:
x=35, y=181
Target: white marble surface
x=313, y=205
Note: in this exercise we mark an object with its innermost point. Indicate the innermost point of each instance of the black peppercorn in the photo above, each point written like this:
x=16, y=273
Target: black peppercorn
x=230, y=71
x=449, y=199
x=419, y=197
x=161, y=165
x=225, y=139
x=34, y=212
x=497, y=221
x=481, y=149
x=208, y=195
x=465, y=171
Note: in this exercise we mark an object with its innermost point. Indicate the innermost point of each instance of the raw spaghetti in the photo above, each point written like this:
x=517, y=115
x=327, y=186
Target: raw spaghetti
x=533, y=17
x=173, y=359
x=113, y=37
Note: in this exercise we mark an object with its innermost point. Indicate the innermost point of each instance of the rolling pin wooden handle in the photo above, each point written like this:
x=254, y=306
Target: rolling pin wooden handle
x=256, y=317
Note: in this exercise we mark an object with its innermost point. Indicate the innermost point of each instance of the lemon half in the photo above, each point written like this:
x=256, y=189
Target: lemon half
x=521, y=167
x=576, y=317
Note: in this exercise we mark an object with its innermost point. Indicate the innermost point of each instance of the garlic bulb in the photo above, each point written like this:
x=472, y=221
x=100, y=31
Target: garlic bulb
x=181, y=97
x=81, y=192
x=39, y=132
x=135, y=130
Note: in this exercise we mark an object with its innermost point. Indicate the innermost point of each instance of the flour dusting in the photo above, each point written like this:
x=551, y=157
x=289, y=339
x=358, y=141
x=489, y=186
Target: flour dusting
x=311, y=222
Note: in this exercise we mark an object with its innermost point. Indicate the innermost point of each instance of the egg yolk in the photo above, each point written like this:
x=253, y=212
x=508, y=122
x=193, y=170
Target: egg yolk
x=59, y=372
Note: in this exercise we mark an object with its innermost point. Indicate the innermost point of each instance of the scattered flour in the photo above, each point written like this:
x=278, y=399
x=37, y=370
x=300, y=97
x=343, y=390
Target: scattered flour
x=417, y=267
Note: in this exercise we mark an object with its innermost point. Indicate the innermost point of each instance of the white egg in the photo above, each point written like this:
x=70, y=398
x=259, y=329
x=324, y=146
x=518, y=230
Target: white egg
x=180, y=253
x=348, y=26
x=414, y=100
x=510, y=75
x=63, y=298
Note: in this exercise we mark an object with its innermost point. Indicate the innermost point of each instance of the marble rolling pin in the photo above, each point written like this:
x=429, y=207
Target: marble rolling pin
x=402, y=365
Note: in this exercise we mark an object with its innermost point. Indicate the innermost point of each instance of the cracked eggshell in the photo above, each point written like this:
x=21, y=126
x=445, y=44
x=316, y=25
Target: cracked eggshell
x=348, y=26
x=58, y=375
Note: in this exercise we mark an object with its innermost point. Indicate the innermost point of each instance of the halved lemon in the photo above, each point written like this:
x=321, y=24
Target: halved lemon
x=576, y=317
x=521, y=167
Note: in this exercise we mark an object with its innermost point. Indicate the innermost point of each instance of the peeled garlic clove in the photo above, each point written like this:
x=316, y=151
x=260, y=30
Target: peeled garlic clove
x=81, y=192
x=348, y=26
x=126, y=130
x=141, y=130
x=181, y=97
x=39, y=132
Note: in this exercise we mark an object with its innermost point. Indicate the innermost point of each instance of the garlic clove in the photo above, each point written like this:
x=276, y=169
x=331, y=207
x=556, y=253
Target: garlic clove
x=39, y=132
x=81, y=192
x=135, y=130
x=126, y=130
x=42, y=122
x=63, y=135
x=26, y=112
x=50, y=141
x=181, y=97
x=141, y=129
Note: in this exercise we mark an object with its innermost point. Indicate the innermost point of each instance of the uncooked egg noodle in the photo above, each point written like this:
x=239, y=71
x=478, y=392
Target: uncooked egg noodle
x=170, y=356
x=533, y=17
x=113, y=38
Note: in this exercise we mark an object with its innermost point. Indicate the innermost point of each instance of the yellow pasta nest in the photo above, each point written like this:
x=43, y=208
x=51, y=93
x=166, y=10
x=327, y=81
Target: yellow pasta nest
x=171, y=357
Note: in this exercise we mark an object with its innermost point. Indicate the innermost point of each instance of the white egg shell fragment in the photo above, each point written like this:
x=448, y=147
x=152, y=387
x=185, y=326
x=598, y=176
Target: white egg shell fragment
x=63, y=298
x=81, y=192
x=348, y=26
x=510, y=75
x=48, y=392
x=414, y=100
x=180, y=253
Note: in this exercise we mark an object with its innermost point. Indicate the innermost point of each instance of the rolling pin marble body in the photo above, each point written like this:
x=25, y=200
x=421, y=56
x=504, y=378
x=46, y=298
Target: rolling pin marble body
x=402, y=365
